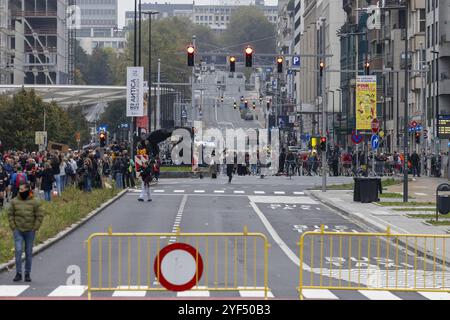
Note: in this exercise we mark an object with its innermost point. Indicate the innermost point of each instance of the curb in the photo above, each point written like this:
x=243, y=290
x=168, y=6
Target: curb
x=62, y=234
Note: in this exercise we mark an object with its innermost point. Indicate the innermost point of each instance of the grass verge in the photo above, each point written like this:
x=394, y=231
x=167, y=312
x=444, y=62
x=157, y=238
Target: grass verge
x=391, y=195
x=176, y=169
x=349, y=186
x=415, y=209
x=61, y=213
x=403, y=204
x=426, y=216
x=439, y=222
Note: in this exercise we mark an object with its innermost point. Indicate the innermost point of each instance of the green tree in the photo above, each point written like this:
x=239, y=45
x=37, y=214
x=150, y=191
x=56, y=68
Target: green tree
x=248, y=25
x=114, y=115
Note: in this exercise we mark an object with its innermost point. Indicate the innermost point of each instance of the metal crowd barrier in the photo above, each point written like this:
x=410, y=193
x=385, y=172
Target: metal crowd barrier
x=373, y=261
x=125, y=261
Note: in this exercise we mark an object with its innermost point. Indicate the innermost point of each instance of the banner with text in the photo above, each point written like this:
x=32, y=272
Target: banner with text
x=366, y=101
x=135, y=91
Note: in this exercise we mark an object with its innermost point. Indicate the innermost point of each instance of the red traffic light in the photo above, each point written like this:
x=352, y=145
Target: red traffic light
x=323, y=139
x=190, y=49
x=280, y=60
x=248, y=50
x=232, y=59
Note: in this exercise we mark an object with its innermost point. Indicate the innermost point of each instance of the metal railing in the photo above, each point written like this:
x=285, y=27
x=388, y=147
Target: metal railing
x=374, y=261
x=124, y=261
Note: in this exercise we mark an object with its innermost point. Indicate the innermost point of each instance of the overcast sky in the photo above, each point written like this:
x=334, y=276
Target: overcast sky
x=128, y=5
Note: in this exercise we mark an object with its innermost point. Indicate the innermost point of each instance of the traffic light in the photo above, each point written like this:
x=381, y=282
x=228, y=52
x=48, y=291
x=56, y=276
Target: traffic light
x=280, y=64
x=254, y=105
x=321, y=65
x=268, y=105
x=242, y=99
x=221, y=99
x=260, y=99
x=417, y=137
x=323, y=144
x=102, y=139
x=246, y=104
x=367, y=67
x=235, y=105
x=232, y=64
x=190, y=55
x=248, y=56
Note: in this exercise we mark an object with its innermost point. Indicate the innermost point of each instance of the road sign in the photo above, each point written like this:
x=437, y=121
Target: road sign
x=413, y=124
x=40, y=138
x=102, y=127
x=375, y=125
x=357, y=138
x=184, y=114
x=374, y=141
x=296, y=61
x=179, y=266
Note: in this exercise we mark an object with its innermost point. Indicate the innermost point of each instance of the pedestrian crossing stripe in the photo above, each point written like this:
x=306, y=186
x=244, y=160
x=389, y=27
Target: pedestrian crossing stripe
x=318, y=294
x=68, y=291
x=379, y=295
x=137, y=293
x=12, y=291
x=296, y=193
x=435, y=295
x=159, y=191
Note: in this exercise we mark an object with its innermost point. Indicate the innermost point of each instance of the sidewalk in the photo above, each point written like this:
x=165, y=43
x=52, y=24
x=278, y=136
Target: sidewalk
x=379, y=218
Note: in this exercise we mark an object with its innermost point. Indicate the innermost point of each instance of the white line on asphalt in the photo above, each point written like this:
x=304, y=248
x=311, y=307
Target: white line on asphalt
x=68, y=291
x=239, y=191
x=129, y=293
x=178, y=191
x=291, y=255
x=420, y=193
x=298, y=192
x=260, y=192
x=193, y=294
x=219, y=191
x=199, y=191
x=435, y=295
x=159, y=191
x=282, y=199
x=279, y=192
x=12, y=291
x=379, y=295
x=254, y=294
x=318, y=294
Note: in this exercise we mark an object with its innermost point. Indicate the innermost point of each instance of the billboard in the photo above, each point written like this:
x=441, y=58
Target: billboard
x=366, y=101
x=135, y=91
x=444, y=126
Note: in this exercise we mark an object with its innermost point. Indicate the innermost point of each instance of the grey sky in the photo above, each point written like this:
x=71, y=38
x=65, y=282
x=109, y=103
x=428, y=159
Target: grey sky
x=128, y=5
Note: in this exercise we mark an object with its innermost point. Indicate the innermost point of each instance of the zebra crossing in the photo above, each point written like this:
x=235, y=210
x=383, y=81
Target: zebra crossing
x=222, y=191
x=18, y=291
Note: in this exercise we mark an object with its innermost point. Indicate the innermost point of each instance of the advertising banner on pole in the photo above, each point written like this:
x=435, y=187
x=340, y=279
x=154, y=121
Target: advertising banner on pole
x=366, y=101
x=135, y=91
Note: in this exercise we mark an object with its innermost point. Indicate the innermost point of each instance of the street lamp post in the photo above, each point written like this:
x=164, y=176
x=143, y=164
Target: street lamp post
x=340, y=112
x=149, y=96
x=332, y=118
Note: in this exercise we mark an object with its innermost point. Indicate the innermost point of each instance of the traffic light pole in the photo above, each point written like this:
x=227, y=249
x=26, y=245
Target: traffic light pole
x=324, y=105
x=192, y=84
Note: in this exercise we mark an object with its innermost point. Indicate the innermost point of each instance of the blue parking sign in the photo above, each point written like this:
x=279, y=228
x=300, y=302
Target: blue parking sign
x=296, y=61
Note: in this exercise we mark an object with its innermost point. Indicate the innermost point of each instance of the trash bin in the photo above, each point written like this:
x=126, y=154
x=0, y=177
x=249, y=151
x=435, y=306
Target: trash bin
x=366, y=189
x=443, y=204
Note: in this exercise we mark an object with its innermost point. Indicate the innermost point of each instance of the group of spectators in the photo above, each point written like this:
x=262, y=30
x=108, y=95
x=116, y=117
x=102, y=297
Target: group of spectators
x=52, y=171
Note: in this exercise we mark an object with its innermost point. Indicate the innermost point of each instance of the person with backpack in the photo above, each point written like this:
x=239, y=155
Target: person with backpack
x=25, y=217
x=18, y=178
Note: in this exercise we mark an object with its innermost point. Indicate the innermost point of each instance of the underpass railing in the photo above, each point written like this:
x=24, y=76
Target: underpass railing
x=374, y=261
x=130, y=261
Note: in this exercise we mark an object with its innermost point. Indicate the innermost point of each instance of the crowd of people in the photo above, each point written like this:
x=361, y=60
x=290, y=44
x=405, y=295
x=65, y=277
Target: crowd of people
x=50, y=172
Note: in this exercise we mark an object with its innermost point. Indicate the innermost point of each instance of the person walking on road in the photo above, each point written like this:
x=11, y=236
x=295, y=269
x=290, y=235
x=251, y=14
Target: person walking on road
x=415, y=162
x=25, y=218
x=146, y=177
x=230, y=168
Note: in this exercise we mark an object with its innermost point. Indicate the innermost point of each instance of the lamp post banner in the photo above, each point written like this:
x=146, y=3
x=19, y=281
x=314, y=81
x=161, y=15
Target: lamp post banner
x=366, y=101
x=135, y=91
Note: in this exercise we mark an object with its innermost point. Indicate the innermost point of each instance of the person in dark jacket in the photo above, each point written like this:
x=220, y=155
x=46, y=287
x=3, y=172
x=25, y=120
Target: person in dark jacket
x=117, y=172
x=230, y=168
x=25, y=218
x=47, y=179
x=146, y=176
x=56, y=166
x=415, y=162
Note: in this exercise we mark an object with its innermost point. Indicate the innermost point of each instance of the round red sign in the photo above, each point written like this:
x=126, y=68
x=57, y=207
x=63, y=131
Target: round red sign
x=375, y=125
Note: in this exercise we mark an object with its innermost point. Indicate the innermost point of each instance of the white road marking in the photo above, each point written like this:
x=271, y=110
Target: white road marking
x=254, y=294
x=298, y=192
x=219, y=191
x=379, y=295
x=178, y=191
x=279, y=192
x=239, y=191
x=158, y=191
x=435, y=295
x=282, y=199
x=199, y=191
x=193, y=294
x=68, y=291
x=129, y=293
x=420, y=193
x=318, y=294
x=12, y=291
x=259, y=192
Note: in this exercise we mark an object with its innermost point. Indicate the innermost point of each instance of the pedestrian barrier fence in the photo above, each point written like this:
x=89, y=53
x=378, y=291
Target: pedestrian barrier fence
x=131, y=261
x=373, y=261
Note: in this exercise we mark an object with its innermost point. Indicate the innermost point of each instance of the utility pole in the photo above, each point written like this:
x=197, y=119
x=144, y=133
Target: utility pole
x=324, y=101
x=424, y=109
x=192, y=83
x=158, y=98
x=405, y=122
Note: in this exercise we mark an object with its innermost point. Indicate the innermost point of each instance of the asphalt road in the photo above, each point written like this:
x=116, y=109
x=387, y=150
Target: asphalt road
x=276, y=207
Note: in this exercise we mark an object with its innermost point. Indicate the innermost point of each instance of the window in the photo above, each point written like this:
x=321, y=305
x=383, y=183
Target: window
x=428, y=36
x=422, y=20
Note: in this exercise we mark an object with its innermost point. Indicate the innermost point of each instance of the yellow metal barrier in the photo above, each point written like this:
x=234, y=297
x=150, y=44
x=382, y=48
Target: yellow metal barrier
x=231, y=261
x=373, y=261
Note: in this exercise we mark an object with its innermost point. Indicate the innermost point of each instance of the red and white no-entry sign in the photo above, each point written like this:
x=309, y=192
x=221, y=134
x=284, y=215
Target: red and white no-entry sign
x=375, y=125
x=180, y=267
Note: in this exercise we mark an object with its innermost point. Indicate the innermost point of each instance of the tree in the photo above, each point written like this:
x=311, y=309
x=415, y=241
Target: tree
x=25, y=116
x=248, y=25
x=114, y=115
